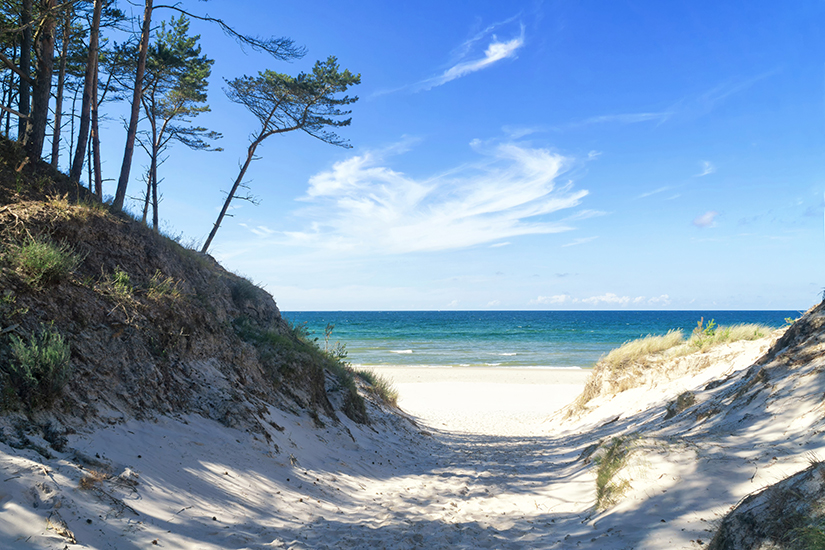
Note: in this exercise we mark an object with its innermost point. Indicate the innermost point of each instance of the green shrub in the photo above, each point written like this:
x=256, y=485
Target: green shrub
x=40, y=261
x=40, y=367
x=243, y=291
x=282, y=352
x=118, y=285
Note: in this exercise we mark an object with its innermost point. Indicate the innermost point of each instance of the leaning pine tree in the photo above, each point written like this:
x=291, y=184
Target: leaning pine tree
x=282, y=104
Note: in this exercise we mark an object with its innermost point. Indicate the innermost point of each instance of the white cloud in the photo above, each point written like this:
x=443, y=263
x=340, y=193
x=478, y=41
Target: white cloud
x=655, y=192
x=708, y=219
x=552, y=300
x=261, y=230
x=623, y=118
x=493, y=303
x=662, y=300
x=577, y=242
x=496, y=51
x=453, y=303
x=707, y=168
x=499, y=245
x=608, y=298
x=517, y=132
x=362, y=204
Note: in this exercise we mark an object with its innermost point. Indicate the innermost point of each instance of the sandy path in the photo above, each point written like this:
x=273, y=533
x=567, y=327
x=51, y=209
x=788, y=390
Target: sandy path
x=483, y=468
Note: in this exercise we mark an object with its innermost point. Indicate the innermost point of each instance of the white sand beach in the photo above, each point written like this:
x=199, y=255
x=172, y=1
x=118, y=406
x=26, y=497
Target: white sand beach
x=485, y=400
x=484, y=463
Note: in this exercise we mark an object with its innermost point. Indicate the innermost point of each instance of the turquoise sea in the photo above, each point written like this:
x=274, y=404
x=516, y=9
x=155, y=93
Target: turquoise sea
x=539, y=339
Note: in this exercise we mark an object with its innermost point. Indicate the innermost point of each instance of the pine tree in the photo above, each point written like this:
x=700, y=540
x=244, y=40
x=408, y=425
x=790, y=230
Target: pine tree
x=283, y=103
x=174, y=92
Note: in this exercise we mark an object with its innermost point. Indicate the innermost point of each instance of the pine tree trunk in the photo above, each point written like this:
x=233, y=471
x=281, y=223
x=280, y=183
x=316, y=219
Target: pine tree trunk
x=24, y=95
x=98, y=176
x=155, y=191
x=61, y=82
x=7, y=81
x=147, y=196
x=126, y=167
x=71, y=125
x=86, y=105
x=38, y=121
x=249, y=155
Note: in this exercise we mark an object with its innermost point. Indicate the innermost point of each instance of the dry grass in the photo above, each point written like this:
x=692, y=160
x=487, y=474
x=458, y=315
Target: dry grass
x=629, y=365
x=380, y=387
x=163, y=287
x=636, y=350
x=610, y=459
x=703, y=340
x=92, y=479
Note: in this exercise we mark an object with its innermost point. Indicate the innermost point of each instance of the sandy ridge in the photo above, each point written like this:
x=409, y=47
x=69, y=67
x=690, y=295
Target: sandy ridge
x=484, y=463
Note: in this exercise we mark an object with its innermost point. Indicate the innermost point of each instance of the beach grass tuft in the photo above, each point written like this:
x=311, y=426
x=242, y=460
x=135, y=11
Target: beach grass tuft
x=610, y=459
x=629, y=365
x=380, y=386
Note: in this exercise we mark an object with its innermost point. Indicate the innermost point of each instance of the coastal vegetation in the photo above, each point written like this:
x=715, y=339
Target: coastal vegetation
x=379, y=386
x=98, y=54
x=629, y=365
x=41, y=261
x=96, y=306
x=610, y=459
x=39, y=367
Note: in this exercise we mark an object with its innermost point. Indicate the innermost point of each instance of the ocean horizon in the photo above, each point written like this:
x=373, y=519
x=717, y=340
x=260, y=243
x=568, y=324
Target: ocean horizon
x=493, y=338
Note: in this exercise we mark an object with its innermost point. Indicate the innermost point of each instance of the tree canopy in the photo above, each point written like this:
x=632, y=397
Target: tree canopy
x=282, y=103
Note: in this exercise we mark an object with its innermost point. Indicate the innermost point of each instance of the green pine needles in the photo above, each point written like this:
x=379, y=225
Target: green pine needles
x=40, y=367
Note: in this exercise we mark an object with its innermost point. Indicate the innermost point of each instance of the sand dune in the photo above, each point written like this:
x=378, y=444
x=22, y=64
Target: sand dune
x=483, y=461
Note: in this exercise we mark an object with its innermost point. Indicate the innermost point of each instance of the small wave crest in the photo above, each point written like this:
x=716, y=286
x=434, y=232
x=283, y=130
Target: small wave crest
x=401, y=351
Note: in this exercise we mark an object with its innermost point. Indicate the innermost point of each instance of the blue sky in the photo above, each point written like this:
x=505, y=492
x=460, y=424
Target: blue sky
x=525, y=155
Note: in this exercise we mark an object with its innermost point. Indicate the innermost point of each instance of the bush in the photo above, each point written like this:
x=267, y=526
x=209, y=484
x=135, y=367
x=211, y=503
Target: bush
x=40, y=261
x=40, y=367
x=297, y=352
x=121, y=283
x=243, y=290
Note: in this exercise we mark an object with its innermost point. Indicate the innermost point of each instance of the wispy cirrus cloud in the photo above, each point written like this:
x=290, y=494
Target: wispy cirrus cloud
x=707, y=168
x=655, y=192
x=362, y=204
x=626, y=118
x=497, y=50
x=577, y=242
x=687, y=107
